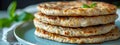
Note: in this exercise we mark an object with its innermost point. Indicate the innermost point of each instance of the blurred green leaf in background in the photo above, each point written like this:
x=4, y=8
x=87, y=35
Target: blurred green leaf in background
x=11, y=9
x=13, y=17
x=25, y=16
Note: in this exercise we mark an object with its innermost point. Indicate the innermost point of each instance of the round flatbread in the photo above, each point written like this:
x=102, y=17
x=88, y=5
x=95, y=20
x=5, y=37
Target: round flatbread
x=67, y=31
x=75, y=21
x=73, y=8
x=112, y=35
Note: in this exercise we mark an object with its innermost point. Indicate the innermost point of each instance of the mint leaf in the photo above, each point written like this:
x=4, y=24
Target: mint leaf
x=25, y=16
x=85, y=6
x=11, y=9
x=14, y=18
x=89, y=6
x=93, y=5
x=5, y=22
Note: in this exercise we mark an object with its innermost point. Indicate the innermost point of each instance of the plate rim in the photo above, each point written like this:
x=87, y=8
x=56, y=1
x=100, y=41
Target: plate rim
x=19, y=39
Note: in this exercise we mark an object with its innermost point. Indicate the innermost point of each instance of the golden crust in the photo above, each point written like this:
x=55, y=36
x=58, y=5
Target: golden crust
x=67, y=31
x=75, y=21
x=73, y=8
x=112, y=35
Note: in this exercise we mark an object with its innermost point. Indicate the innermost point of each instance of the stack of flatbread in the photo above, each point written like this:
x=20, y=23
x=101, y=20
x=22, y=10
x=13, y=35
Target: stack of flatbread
x=68, y=22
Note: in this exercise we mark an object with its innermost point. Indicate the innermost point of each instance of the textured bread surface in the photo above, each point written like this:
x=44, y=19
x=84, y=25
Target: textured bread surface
x=69, y=31
x=75, y=21
x=73, y=8
x=112, y=35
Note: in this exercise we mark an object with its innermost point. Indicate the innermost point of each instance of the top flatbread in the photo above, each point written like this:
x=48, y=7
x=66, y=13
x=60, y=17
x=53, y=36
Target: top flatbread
x=73, y=8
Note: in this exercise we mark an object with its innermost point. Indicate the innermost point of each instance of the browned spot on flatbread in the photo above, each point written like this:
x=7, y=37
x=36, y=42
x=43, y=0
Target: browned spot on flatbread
x=67, y=33
x=91, y=31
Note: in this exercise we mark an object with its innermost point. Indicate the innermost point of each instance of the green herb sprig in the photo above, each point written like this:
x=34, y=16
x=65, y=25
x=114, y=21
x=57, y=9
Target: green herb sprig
x=89, y=6
x=13, y=17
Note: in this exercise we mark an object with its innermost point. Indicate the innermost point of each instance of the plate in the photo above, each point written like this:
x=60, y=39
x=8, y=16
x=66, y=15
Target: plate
x=25, y=35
